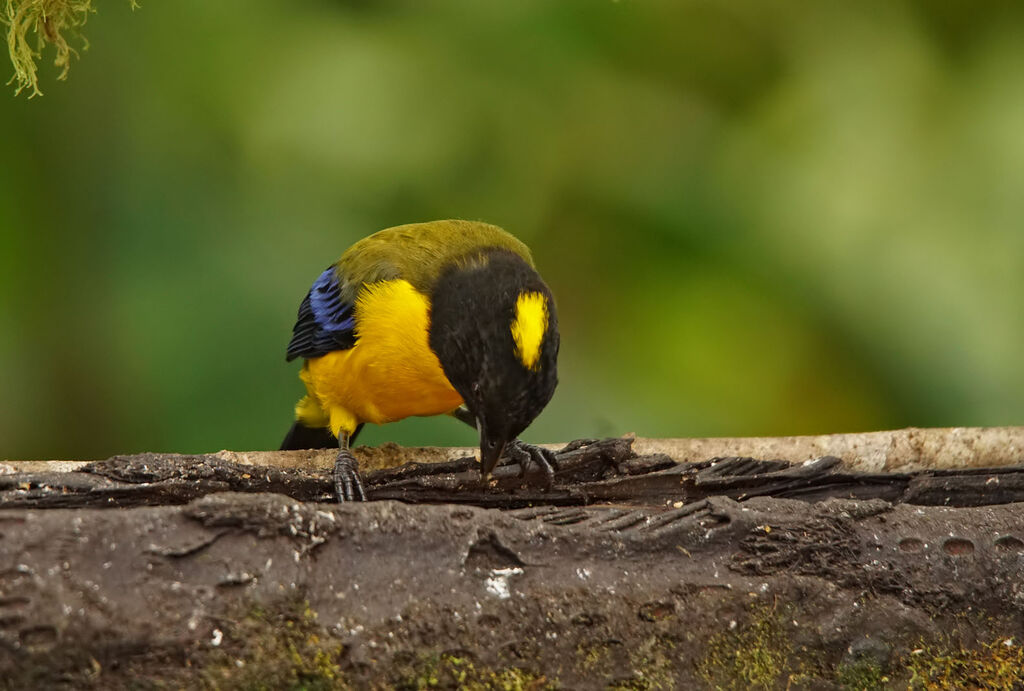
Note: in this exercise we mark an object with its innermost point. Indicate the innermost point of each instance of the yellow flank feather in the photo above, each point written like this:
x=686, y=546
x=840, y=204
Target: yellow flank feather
x=389, y=374
x=308, y=409
x=528, y=327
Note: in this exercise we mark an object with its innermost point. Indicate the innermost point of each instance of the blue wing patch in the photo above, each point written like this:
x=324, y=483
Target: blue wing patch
x=330, y=312
x=325, y=323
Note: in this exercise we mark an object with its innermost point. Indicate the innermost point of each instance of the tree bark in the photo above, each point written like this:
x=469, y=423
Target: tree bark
x=636, y=568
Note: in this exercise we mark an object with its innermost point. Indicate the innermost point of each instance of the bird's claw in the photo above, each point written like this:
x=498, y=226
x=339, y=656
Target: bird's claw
x=523, y=454
x=347, y=484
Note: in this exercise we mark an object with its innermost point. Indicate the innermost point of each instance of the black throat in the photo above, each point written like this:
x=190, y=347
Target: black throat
x=472, y=309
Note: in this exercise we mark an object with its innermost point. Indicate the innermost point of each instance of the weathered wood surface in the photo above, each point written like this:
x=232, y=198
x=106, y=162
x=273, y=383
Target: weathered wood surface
x=589, y=472
x=635, y=567
x=261, y=591
x=900, y=450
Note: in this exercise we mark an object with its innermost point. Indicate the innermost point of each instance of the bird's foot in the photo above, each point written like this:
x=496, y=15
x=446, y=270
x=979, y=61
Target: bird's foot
x=347, y=484
x=522, y=453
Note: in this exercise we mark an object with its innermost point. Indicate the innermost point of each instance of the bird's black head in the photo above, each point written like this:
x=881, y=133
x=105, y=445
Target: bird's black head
x=494, y=329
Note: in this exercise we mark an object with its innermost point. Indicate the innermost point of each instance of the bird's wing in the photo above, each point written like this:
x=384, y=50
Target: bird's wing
x=416, y=252
x=326, y=319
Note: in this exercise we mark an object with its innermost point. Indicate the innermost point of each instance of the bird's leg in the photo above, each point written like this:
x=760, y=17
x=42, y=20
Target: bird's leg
x=347, y=484
x=518, y=451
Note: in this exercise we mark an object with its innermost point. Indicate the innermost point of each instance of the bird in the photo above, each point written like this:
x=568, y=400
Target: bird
x=444, y=317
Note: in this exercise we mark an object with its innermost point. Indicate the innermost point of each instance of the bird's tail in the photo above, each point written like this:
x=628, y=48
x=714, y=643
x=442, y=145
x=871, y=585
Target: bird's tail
x=302, y=437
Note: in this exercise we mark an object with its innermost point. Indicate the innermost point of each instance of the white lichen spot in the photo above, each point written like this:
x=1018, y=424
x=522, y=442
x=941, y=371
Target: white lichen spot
x=218, y=636
x=582, y=573
x=497, y=583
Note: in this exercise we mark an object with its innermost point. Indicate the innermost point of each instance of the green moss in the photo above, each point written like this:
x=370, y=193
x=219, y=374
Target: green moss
x=754, y=655
x=274, y=649
x=629, y=685
x=653, y=666
x=32, y=24
x=997, y=666
x=862, y=675
x=590, y=656
x=451, y=671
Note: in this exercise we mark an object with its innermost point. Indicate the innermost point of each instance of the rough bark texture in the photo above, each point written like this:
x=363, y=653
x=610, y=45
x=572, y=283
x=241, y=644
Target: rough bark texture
x=633, y=571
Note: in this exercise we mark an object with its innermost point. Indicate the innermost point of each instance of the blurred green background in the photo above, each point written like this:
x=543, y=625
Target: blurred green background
x=757, y=217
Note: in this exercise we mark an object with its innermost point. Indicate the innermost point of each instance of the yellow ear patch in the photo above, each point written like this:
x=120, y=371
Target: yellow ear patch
x=528, y=327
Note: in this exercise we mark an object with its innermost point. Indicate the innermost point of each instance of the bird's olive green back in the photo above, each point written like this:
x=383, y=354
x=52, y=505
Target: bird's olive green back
x=417, y=252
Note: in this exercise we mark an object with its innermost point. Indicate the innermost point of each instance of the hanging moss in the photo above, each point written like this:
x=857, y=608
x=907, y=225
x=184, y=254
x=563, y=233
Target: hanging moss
x=32, y=24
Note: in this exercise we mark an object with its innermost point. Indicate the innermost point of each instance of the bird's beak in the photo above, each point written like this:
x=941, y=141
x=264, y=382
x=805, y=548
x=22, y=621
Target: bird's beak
x=491, y=448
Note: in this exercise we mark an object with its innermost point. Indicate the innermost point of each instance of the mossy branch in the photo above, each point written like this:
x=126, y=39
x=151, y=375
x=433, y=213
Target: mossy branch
x=32, y=24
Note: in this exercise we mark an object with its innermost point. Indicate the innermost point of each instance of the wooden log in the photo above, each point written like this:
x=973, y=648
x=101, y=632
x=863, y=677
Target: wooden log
x=589, y=472
x=887, y=451
x=249, y=590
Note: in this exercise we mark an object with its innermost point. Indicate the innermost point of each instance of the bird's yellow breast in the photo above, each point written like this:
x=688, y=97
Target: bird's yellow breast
x=389, y=374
